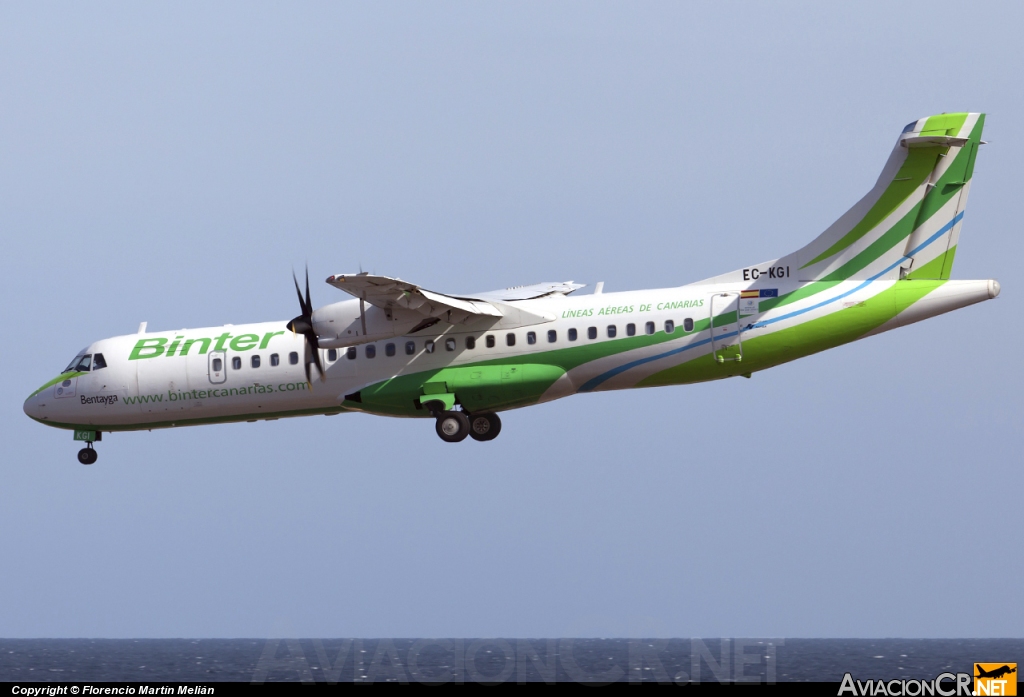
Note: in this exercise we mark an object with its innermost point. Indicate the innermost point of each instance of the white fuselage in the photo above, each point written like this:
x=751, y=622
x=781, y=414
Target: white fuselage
x=175, y=379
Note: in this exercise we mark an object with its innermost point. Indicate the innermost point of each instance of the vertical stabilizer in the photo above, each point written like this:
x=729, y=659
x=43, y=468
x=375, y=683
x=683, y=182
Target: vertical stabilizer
x=908, y=225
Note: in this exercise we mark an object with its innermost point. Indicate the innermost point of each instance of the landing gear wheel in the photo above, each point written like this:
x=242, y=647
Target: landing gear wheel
x=87, y=456
x=452, y=426
x=484, y=426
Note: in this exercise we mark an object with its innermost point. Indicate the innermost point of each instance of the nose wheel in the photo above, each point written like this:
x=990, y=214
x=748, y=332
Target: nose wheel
x=87, y=455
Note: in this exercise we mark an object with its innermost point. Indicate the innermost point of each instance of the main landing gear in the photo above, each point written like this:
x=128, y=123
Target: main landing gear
x=454, y=426
x=87, y=455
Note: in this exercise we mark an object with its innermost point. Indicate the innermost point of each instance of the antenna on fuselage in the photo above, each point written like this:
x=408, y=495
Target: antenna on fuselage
x=142, y=327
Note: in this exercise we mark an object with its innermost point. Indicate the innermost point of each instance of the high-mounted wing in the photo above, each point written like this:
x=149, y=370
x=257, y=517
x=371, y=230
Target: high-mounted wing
x=393, y=293
x=537, y=290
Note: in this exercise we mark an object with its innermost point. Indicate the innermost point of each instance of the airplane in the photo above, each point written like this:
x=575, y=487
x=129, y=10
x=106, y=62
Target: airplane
x=398, y=349
x=996, y=673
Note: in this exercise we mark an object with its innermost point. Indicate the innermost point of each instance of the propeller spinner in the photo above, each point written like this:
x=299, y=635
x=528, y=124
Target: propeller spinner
x=303, y=324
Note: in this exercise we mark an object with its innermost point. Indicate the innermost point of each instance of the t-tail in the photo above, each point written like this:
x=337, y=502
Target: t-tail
x=907, y=227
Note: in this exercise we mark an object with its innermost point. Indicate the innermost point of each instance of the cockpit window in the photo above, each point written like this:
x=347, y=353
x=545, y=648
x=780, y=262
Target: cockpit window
x=80, y=363
x=98, y=362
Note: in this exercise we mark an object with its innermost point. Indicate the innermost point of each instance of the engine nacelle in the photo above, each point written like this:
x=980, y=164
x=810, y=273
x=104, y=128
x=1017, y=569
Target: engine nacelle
x=345, y=324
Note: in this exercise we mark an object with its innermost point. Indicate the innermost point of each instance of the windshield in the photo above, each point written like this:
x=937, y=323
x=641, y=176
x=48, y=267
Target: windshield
x=79, y=363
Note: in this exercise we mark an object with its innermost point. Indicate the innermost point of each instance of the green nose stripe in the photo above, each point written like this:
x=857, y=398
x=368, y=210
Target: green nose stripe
x=59, y=378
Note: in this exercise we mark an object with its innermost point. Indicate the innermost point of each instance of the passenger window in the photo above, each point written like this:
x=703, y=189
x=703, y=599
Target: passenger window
x=572, y=334
x=389, y=349
x=670, y=326
x=531, y=337
x=510, y=339
x=371, y=350
x=470, y=342
x=255, y=361
x=688, y=324
x=552, y=336
x=236, y=363
x=218, y=365
x=410, y=348
x=630, y=329
x=332, y=355
x=275, y=359
x=350, y=353
x=83, y=365
x=293, y=358
x=490, y=341
x=591, y=332
x=429, y=346
x=98, y=362
x=649, y=327
x=449, y=344
x=612, y=331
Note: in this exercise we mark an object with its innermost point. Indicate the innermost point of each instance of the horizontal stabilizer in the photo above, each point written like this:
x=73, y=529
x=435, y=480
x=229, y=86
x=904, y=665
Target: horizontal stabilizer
x=908, y=225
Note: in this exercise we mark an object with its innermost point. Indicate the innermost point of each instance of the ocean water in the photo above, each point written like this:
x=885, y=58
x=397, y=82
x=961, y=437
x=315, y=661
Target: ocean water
x=494, y=660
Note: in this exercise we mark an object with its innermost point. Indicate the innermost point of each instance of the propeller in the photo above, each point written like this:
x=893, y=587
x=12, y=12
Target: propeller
x=303, y=324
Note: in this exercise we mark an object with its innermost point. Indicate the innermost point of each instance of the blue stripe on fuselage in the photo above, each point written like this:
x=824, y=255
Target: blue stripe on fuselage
x=591, y=384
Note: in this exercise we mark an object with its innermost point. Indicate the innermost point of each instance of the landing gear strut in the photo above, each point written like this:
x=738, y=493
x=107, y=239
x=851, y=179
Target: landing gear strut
x=87, y=455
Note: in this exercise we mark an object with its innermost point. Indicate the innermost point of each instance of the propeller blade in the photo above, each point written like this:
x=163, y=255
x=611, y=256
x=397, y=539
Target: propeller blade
x=303, y=324
x=315, y=345
x=308, y=307
x=298, y=292
x=313, y=348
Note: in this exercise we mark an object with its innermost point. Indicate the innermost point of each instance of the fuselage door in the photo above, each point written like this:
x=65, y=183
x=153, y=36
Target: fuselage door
x=218, y=367
x=726, y=341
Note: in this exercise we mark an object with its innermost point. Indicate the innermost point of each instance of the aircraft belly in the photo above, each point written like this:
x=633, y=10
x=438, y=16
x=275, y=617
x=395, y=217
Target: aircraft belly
x=480, y=387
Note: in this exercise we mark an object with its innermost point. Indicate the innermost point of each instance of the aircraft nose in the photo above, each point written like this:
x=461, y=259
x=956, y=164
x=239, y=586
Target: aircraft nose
x=31, y=406
x=35, y=405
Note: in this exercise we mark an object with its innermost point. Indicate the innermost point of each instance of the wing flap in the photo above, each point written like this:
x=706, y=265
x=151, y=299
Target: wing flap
x=473, y=308
x=529, y=292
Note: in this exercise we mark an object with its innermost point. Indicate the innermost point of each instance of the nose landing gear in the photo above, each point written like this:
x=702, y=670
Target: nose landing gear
x=87, y=455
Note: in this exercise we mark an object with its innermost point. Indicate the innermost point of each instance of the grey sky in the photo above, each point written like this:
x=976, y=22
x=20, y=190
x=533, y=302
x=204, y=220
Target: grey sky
x=173, y=162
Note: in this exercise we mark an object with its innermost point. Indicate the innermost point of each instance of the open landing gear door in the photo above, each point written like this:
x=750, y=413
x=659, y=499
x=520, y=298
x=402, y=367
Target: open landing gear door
x=726, y=323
